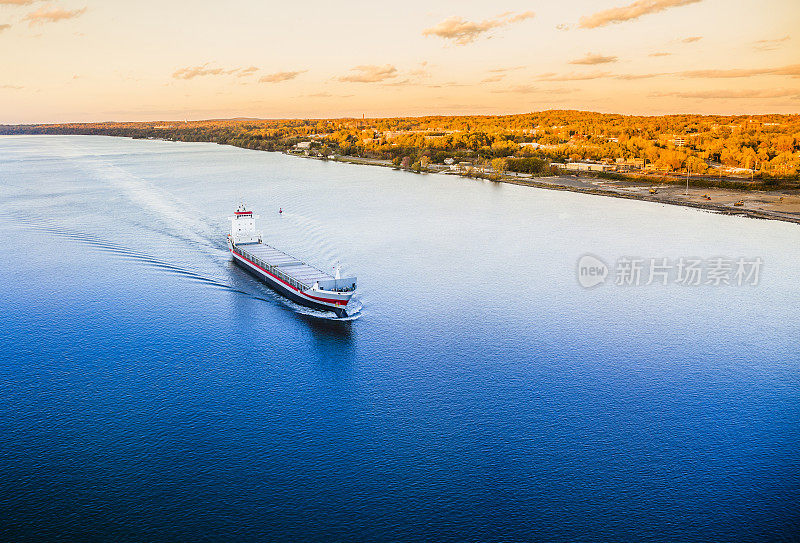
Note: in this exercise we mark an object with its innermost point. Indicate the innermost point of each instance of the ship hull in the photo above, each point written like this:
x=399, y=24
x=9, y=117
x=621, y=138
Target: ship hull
x=337, y=306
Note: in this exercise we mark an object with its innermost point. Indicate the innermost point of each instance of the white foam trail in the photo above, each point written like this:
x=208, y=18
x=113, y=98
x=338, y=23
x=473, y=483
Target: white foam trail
x=180, y=222
x=149, y=197
x=144, y=194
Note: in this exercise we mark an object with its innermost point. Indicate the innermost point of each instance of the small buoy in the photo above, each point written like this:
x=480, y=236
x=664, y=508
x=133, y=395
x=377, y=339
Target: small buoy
x=280, y=210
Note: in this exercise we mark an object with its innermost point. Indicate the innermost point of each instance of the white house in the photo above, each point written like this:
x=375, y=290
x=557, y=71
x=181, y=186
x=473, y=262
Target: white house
x=588, y=167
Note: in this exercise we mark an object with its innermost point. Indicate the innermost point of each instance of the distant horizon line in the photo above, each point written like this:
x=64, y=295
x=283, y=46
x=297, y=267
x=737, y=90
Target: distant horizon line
x=217, y=119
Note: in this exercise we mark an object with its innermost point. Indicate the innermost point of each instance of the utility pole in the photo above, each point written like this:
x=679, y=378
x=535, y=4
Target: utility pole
x=687, y=178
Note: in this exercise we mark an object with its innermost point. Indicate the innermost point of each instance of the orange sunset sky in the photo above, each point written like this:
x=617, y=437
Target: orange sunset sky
x=91, y=60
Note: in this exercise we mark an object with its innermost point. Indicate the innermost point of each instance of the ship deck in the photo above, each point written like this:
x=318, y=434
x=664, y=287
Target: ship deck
x=298, y=270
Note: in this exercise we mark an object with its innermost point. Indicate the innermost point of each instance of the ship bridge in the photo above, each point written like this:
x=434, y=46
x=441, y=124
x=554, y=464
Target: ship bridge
x=243, y=226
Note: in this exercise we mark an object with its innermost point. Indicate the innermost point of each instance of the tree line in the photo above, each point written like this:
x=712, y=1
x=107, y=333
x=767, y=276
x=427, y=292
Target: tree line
x=768, y=146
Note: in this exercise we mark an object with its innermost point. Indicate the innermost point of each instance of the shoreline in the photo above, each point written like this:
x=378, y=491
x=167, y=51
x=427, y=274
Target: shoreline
x=721, y=200
x=718, y=208
x=756, y=204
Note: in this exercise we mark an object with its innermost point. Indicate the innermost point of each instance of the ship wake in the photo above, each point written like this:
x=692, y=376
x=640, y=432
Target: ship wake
x=264, y=294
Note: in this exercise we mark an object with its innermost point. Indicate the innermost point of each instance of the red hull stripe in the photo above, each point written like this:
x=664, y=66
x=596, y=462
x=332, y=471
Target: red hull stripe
x=326, y=300
x=243, y=212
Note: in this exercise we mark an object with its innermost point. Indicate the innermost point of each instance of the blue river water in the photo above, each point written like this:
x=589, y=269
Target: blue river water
x=150, y=390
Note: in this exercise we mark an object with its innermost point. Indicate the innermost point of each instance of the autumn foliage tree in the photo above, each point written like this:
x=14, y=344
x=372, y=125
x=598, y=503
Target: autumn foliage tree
x=765, y=145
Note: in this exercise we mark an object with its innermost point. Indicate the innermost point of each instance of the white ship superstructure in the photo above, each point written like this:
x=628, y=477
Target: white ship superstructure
x=286, y=274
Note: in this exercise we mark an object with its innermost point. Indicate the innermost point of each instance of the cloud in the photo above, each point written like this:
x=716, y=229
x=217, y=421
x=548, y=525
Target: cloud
x=190, y=72
x=521, y=17
x=51, y=15
x=769, y=45
x=369, y=73
x=530, y=89
x=630, y=12
x=15, y=87
x=720, y=74
x=735, y=94
x=493, y=79
x=562, y=27
x=401, y=83
x=411, y=78
x=659, y=54
x=692, y=39
x=328, y=95
x=519, y=89
x=591, y=60
x=277, y=77
x=597, y=75
x=246, y=71
x=572, y=76
x=792, y=70
x=447, y=84
x=631, y=77
x=4, y=27
x=462, y=31
x=16, y=2
x=503, y=70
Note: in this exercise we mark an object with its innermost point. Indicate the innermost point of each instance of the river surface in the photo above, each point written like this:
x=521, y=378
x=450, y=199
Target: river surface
x=150, y=390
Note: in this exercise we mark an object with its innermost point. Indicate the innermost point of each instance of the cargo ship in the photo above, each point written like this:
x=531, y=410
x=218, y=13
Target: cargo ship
x=287, y=275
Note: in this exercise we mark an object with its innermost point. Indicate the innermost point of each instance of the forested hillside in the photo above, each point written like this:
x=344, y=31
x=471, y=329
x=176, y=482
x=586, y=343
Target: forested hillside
x=766, y=145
